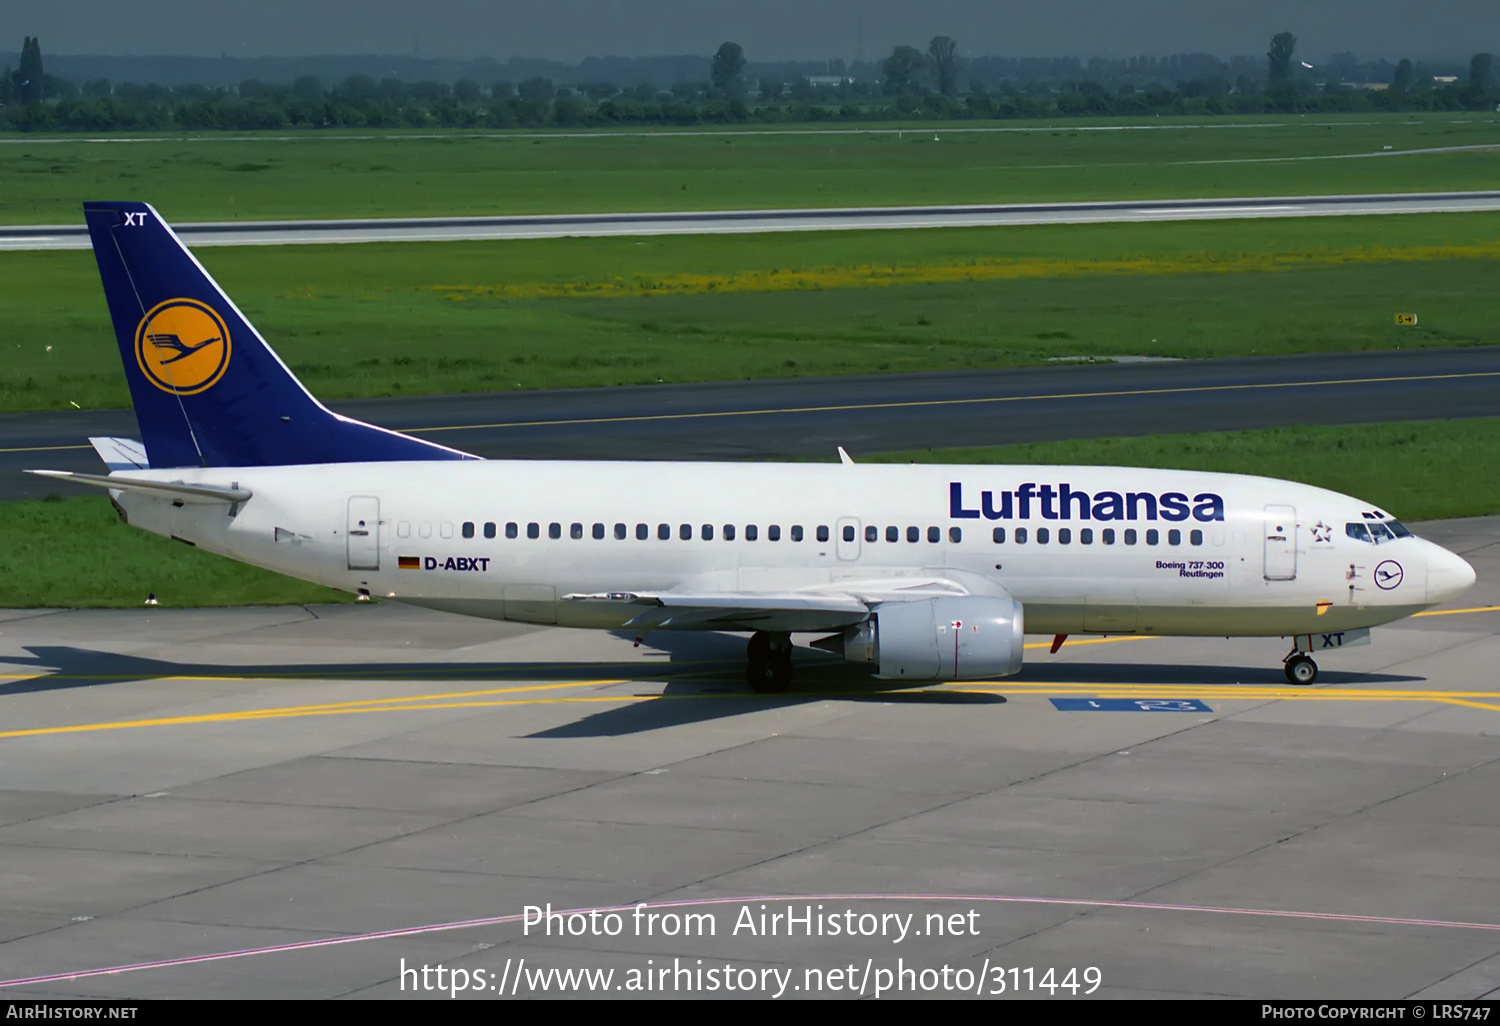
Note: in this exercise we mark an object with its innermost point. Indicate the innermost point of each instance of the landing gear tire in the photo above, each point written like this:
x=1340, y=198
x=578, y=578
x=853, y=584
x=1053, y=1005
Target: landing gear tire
x=768, y=668
x=1301, y=670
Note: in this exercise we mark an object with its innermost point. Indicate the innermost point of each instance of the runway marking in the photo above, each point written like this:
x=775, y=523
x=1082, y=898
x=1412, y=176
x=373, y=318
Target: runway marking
x=911, y=404
x=1456, y=612
x=46, y=448
x=916, y=130
x=469, y=924
x=917, y=403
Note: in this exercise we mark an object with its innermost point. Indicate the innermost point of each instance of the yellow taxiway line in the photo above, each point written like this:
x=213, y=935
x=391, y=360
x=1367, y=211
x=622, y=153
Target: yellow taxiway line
x=491, y=699
x=1456, y=612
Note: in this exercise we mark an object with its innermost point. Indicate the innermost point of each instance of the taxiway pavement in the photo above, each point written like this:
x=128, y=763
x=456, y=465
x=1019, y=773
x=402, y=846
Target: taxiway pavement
x=314, y=795
x=718, y=222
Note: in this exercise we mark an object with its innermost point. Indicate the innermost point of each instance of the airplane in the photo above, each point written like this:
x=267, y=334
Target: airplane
x=920, y=573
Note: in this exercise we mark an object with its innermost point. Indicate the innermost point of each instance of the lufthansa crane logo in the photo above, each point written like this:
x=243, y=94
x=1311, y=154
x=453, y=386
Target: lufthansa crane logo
x=1388, y=574
x=182, y=346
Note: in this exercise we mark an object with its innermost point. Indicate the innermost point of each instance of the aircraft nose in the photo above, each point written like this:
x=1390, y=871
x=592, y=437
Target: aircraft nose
x=1448, y=575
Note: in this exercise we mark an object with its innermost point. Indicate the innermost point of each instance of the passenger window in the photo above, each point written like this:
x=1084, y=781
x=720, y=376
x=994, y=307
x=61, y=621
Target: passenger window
x=872, y=534
x=554, y=530
x=1174, y=537
x=664, y=532
x=424, y=529
x=403, y=529
x=729, y=532
x=533, y=530
x=512, y=529
x=892, y=534
x=1130, y=536
x=822, y=533
x=1107, y=536
x=1152, y=536
x=848, y=532
x=620, y=532
x=796, y=532
x=468, y=529
x=955, y=535
x=575, y=532
x=750, y=532
x=773, y=532
x=707, y=532
x=642, y=532
x=446, y=529
x=1086, y=536
x=489, y=530
x=1195, y=537
x=1064, y=535
x=598, y=531
x=998, y=534
x=1042, y=535
x=1020, y=536
x=913, y=534
x=933, y=534
x=685, y=532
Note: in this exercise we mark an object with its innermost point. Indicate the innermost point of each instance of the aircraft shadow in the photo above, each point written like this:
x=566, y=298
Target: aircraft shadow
x=1178, y=674
x=701, y=680
x=72, y=667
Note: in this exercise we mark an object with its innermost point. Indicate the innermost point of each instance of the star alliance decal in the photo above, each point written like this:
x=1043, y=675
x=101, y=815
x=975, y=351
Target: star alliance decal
x=1322, y=532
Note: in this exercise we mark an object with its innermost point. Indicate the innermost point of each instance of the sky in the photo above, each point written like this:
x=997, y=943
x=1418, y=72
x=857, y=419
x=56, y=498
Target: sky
x=570, y=30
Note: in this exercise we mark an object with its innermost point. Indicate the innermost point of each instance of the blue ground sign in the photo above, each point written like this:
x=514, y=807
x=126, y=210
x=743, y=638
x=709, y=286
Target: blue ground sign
x=1130, y=705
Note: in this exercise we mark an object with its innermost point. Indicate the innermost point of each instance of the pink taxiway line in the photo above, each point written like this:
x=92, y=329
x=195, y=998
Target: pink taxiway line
x=414, y=931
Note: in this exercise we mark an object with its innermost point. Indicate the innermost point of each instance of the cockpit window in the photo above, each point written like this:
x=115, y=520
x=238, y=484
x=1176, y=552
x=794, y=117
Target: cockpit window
x=1377, y=532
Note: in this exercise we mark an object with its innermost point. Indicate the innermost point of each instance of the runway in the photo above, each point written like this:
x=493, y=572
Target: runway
x=453, y=229
x=809, y=418
x=304, y=802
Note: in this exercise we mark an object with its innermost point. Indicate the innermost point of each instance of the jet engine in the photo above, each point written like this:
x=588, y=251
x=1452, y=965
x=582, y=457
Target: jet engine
x=966, y=638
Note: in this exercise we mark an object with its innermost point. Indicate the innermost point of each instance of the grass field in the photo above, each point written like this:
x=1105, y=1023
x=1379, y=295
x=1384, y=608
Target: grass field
x=75, y=552
x=329, y=174
x=454, y=317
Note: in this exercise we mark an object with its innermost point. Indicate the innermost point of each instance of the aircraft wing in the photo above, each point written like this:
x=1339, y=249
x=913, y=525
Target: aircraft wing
x=736, y=611
x=827, y=607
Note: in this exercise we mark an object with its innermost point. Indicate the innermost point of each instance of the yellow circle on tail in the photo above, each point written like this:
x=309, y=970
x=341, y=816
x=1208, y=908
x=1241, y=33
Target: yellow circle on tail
x=182, y=346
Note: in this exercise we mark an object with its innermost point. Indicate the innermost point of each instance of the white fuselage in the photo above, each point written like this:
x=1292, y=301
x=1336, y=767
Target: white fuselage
x=1084, y=549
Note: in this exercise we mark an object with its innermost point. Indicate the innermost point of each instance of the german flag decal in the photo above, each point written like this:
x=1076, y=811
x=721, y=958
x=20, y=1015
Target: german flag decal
x=409, y=562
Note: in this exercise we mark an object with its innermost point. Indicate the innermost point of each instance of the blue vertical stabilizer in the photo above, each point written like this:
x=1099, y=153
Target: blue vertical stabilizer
x=208, y=391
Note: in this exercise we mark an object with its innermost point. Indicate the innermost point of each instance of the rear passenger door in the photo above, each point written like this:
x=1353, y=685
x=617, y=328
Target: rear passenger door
x=364, y=533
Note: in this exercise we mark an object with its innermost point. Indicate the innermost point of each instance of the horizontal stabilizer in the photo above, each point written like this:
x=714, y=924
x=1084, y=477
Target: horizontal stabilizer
x=178, y=490
x=121, y=453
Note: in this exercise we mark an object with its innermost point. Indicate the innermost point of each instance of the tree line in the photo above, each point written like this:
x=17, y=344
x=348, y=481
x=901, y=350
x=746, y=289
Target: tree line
x=936, y=83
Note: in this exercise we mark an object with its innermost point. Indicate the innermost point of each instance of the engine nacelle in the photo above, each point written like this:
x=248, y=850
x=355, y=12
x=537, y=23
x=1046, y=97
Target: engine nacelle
x=966, y=638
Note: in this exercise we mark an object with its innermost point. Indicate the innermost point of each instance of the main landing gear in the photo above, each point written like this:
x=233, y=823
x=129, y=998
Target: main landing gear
x=769, y=662
x=1300, y=669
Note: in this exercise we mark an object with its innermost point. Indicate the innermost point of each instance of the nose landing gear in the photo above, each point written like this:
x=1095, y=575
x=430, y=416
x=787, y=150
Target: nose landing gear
x=769, y=662
x=1300, y=669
